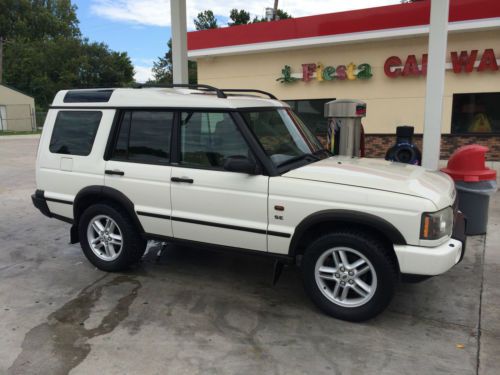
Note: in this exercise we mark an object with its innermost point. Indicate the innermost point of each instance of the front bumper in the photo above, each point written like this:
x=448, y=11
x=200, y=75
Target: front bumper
x=460, y=230
x=430, y=261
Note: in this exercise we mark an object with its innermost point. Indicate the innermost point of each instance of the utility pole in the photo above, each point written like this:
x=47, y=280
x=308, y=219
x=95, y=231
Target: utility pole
x=275, y=12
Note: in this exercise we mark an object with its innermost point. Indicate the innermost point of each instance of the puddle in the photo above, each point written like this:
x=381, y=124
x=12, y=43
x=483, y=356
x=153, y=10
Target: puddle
x=61, y=343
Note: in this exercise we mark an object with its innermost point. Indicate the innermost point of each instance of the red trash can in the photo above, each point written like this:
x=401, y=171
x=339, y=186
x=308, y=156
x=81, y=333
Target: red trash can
x=475, y=184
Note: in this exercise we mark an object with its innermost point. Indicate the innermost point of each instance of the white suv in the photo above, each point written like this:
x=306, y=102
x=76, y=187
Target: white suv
x=198, y=165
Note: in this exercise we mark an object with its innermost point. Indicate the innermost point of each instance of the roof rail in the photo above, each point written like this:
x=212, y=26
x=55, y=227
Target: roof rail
x=220, y=93
x=271, y=96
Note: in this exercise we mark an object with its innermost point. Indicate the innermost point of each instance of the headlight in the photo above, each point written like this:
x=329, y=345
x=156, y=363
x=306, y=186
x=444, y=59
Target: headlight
x=436, y=225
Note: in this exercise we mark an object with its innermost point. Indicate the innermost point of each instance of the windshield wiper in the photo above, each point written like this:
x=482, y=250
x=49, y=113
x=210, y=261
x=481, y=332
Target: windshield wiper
x=297, y=158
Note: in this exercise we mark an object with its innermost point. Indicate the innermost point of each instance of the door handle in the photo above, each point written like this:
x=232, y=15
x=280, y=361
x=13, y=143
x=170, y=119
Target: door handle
x=179, y=179
x=117, y=173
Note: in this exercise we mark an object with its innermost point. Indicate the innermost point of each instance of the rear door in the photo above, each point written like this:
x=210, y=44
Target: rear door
x=209, y=204
x=70, y=155
x=139, y=166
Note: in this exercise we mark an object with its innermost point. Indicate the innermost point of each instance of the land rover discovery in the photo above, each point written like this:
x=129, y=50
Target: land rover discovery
x=235, y=170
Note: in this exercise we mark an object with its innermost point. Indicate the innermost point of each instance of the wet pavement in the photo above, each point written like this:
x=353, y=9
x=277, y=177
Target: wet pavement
x=192, y=311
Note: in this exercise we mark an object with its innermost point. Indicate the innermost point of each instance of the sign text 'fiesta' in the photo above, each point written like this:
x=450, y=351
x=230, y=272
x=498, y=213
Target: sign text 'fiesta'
x=463, y=62
x=319, y=72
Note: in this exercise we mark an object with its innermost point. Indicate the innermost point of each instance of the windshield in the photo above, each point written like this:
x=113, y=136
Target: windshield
x=282, y=134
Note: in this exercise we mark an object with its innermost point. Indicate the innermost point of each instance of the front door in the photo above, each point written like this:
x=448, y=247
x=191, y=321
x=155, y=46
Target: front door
x=210, y=204
x=139, y=166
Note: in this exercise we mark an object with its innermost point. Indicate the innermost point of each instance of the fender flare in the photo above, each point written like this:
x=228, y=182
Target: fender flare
x=103, y=192
x=348, y=217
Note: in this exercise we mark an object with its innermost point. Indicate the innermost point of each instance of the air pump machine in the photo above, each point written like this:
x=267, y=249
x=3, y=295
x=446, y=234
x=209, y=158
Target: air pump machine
x=345, y=131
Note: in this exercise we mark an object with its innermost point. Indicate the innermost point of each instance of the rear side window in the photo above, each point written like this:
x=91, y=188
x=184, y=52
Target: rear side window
x=74, y=132
x=144, y=137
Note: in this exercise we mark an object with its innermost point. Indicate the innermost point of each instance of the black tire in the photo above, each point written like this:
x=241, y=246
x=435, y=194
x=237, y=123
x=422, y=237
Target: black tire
x=378, y=255
x=133, y=244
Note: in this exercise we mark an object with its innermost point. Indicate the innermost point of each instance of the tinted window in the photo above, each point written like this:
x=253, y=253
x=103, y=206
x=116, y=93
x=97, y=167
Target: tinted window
x=476, y=113
x=144, y=137
x=74, y=132
x=208, y=139
x=88, y=96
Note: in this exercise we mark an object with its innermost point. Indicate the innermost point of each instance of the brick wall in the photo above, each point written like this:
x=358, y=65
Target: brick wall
x=378, y=144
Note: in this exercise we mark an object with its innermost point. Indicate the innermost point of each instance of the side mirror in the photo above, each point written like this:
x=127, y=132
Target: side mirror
x=241, y=164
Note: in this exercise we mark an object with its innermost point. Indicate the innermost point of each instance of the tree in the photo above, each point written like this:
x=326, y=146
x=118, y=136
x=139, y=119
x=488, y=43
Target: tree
x=41, y=68
x=205, y=20
x=45, y=52
x=37, y=19
x=162, y=68
x=280, y=15
x=101, y=67
x=34, y=20
x=239, y=17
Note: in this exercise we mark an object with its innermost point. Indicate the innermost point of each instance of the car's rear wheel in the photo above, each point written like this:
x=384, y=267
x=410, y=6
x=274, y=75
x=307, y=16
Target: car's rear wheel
x=109, y=238
x=104, y=237
x=349, y=275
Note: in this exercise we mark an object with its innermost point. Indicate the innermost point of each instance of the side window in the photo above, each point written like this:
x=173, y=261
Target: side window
x=74, y=132
x=144, y=137
x=209, y=138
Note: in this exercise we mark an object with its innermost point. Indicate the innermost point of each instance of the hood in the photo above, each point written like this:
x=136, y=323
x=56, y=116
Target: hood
x=381, y=175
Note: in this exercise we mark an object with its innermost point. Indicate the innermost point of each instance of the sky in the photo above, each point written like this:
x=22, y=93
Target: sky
x=142, y=27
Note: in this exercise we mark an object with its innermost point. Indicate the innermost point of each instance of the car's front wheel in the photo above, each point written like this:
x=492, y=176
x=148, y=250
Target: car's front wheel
x=349, y=275
x=109, y=238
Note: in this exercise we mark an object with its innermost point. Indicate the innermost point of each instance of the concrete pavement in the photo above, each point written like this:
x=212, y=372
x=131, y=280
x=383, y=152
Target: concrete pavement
x=198, y=312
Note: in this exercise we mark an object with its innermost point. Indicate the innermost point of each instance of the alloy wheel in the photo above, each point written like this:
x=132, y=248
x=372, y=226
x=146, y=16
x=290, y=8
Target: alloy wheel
x=104, y=237
x=346, y=277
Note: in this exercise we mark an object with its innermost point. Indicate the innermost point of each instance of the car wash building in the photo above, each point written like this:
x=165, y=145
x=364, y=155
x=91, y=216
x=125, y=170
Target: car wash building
x=376, y=55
